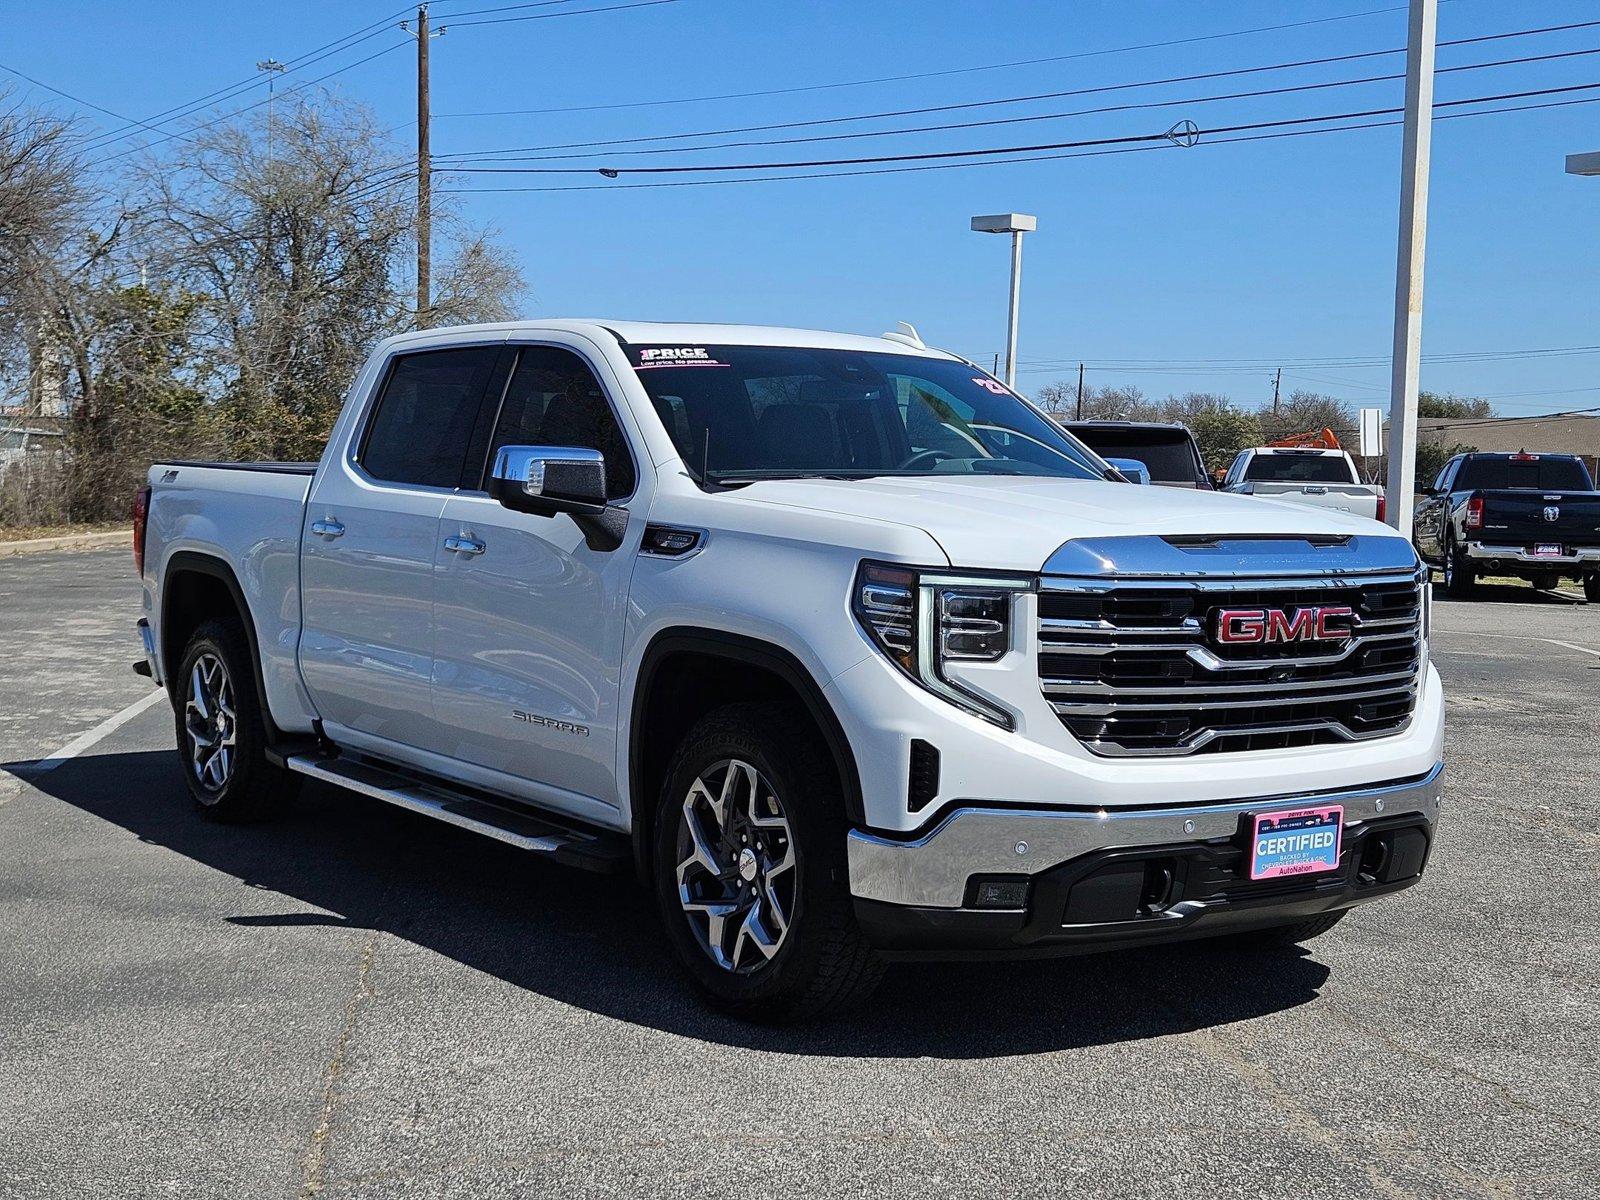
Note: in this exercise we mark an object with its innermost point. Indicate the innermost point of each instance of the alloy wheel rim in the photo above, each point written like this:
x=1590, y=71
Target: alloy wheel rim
x=210, y=724
x=737, y=872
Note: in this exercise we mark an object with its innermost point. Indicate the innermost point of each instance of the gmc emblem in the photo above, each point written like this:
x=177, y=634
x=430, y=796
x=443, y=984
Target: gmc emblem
x=1263, y=626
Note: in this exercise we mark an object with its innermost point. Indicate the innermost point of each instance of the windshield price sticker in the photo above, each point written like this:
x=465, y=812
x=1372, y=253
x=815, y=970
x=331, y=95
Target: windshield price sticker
x=676, y=356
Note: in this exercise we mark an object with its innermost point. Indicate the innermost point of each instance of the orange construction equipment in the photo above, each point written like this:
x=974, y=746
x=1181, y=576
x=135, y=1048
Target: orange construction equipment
x=1321, y=439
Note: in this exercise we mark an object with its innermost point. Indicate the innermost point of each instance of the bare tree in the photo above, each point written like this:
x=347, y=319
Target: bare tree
x=300, y=245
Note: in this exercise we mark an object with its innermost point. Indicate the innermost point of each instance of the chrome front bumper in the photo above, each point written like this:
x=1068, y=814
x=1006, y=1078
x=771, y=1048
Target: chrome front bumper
x=932, y=871
x=1584, y=556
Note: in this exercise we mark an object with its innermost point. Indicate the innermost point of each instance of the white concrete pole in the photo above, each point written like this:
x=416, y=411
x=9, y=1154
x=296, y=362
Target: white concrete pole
x=1016, y=300
x=1406, y=366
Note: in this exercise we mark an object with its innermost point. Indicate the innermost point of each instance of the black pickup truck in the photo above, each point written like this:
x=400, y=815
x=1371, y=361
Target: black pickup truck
x=1536, y=516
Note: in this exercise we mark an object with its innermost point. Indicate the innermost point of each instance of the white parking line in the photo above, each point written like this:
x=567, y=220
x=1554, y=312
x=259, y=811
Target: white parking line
x=1525, y=637
x=85, y=740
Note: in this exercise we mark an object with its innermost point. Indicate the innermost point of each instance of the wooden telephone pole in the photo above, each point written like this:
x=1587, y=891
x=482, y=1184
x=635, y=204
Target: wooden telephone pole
x=424, y=170
x=424, y=180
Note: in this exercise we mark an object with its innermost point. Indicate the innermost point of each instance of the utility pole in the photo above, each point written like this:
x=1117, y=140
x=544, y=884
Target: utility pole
x=1080, y=391
x=1406, y=364
x=1277, y=383
x=424, y=173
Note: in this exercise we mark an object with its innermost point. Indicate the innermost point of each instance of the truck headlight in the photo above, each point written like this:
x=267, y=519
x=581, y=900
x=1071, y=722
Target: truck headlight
x=923, y=620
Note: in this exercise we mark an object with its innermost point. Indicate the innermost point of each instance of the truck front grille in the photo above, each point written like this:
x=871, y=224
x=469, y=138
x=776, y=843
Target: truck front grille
x=1136, y=668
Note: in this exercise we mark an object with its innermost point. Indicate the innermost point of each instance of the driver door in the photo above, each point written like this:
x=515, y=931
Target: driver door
x=529, y=615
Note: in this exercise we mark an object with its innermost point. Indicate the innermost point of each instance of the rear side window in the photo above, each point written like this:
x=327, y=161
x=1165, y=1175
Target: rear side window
x=555, y=400
x=1548, y=473
x=423, y=423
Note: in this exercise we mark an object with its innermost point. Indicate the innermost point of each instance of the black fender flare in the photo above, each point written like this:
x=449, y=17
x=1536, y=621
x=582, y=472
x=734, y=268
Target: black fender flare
x=194, y=561
x=754, y=652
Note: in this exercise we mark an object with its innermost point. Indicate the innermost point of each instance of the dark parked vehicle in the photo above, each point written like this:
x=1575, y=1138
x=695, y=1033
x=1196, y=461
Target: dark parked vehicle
x=1535, y=516
x=1168, y=450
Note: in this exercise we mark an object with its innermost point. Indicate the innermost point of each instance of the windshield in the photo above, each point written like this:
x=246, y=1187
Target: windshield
x=741, y=413
x=1548, y=474
x=1167, y=452
x=1299, y=468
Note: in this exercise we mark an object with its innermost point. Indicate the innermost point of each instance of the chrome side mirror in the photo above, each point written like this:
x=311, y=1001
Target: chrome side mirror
x=546, y=480
x=1132, y=468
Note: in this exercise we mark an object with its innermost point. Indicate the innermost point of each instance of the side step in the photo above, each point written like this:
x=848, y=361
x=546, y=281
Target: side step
x=590, y=849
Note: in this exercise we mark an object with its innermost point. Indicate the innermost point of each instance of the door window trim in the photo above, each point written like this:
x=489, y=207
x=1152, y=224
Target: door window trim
x=369, y=414
x=517, y=347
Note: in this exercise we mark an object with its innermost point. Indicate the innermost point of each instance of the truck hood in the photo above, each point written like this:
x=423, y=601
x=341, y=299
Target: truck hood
x=1008, y=523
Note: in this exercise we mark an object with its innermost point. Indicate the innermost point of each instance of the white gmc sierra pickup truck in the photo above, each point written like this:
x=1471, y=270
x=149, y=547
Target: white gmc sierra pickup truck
x=840, y=644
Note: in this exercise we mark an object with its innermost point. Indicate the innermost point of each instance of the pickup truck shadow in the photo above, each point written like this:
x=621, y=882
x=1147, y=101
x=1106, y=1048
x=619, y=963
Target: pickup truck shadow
x=594, y=942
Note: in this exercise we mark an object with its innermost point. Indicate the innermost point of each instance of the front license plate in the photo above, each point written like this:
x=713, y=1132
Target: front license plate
x=1547, y=550
x=1301, y=841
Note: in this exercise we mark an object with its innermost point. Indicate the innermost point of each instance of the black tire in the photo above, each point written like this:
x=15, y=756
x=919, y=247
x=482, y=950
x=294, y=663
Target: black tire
x=1460, y=577
x=1591, y=588
x=246, y=787
x=821, y=963
x=1547, y=581
x=1292, y=935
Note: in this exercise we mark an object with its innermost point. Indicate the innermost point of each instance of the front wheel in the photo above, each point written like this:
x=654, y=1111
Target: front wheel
x=750, y=873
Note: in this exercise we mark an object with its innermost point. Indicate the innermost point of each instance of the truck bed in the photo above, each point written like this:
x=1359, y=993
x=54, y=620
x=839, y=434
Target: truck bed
x=250, y=516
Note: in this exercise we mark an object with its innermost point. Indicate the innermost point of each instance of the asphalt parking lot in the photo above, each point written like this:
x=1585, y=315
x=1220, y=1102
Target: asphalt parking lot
x=354, y=1001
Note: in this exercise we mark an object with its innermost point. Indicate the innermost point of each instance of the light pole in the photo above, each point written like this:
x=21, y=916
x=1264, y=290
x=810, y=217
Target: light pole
x=273, y=69
x=1406, y=364
x=1016, y=224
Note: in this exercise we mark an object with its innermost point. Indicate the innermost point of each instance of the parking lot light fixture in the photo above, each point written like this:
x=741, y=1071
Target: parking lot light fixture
x=1584, y=164
x=1016, y=224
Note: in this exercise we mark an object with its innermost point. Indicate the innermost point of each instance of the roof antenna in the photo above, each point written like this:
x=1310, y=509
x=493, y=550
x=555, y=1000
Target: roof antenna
x=906, y=335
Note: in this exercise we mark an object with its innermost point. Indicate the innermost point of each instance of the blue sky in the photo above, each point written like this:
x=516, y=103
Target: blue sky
x=1279, y=250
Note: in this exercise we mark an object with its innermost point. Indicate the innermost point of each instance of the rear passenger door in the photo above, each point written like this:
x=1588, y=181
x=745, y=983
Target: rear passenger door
x=529, y=613
x=368, y=548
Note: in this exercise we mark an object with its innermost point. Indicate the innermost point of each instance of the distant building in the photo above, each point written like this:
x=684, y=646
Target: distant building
x=1577, y=434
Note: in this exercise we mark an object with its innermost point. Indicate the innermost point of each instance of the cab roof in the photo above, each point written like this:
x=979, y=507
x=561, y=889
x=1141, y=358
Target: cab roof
x=690, y=334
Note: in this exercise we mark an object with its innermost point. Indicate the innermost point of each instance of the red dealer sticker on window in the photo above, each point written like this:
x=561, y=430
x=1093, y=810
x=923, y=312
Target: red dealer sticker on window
x=651, y=357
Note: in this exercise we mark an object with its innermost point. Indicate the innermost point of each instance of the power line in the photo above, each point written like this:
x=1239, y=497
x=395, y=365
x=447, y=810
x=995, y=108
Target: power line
x=574, y=12
x=1260, y=93
x=1006, y=100
x=193, y=130
x=853, y=83
x=936, y=155
x=69, y=96
x=299, y=62
x=602, y=187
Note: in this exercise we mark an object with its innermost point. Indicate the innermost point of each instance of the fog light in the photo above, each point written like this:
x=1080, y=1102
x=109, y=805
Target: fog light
x=1002, y=891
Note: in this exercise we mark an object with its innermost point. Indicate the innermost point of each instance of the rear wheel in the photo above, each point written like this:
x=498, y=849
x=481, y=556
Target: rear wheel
x=1460, y=577
x=750, y=873
x=221, y=731
x=1547, y=581
x=1591, y=588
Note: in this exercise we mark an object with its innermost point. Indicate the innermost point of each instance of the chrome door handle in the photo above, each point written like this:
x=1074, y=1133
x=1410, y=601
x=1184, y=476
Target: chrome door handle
x=464, y=545
x=328, y=529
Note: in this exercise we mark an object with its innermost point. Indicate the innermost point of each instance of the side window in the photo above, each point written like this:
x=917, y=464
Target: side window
x=1442, y=484
x=423, y=422
x=555, y=400
x=1236, y=470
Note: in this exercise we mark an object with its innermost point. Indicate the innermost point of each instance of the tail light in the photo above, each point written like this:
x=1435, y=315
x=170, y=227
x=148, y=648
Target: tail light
x=1383, y=506
x=1474, y=518
x=141, y=517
